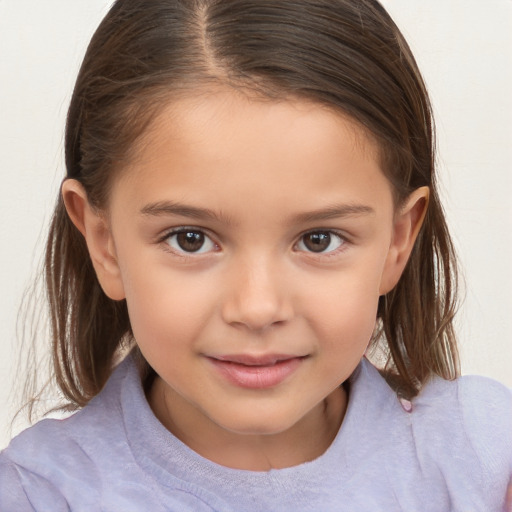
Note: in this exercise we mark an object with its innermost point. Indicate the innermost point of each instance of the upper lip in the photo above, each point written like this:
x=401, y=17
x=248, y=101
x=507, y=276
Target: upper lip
x=252, y=360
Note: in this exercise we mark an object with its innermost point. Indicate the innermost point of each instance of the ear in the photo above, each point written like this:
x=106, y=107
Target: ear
x=406, y=226
x=93, y=225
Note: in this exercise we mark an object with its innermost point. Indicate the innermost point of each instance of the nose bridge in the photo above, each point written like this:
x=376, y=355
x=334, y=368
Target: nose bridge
x=257, y=293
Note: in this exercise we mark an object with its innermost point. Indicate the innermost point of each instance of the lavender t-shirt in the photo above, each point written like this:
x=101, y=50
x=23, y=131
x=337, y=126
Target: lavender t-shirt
x=451, y=453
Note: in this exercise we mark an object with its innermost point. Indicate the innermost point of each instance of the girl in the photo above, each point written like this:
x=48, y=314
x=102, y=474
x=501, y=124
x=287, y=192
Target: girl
x=250, y=207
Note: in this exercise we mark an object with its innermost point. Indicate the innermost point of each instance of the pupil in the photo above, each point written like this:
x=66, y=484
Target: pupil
x=190, y=241
x=317, y=242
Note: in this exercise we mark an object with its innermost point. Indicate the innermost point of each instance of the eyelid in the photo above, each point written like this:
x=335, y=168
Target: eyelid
x=162, y=239
x=342, y=236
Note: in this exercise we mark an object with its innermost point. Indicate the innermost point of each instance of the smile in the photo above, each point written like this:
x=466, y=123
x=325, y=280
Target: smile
x=256, y=372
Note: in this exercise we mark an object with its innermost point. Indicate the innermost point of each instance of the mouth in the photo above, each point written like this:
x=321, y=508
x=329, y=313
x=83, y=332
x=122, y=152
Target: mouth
x=257, y=372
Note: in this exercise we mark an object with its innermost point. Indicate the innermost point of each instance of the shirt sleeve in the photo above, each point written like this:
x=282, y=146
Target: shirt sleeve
x=24, y=491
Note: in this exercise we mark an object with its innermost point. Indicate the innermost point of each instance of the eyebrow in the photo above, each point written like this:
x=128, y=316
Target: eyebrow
x=162, y=208
x=334, y=212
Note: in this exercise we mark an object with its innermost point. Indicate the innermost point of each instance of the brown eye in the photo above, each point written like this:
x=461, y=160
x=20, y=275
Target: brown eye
x=190, y=241
x=320, y=241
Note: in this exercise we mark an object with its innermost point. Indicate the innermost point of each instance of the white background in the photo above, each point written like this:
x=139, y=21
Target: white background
x=464, y=48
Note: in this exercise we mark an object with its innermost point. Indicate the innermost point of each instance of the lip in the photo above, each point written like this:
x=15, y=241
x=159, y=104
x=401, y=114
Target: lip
x=256, y=372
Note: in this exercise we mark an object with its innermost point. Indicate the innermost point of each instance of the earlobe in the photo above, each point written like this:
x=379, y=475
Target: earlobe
x=94, y=227
x=407, y=224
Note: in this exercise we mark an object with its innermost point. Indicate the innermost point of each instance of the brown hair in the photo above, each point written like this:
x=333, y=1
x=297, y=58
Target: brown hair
x=347, y=54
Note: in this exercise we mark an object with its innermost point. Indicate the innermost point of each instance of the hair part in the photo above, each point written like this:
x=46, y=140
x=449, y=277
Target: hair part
x=347, y=55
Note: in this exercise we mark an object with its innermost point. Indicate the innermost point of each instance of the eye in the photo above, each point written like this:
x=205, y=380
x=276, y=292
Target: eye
x=320, y=242
x=190, y=241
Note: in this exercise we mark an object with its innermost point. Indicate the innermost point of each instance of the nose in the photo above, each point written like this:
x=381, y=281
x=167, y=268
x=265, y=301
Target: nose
x=257, y=296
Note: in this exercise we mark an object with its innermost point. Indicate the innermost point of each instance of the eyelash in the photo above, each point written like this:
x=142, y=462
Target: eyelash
x=342, y=239
x=192, y=229
x=186, y=230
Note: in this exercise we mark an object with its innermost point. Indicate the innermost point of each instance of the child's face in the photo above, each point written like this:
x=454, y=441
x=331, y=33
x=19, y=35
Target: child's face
x=253, y=240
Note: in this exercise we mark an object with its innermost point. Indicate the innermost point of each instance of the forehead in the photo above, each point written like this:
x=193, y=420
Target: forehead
x=194, y=115
x=214, y=142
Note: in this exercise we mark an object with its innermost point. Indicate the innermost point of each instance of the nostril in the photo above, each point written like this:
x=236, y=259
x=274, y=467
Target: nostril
x=256, y=315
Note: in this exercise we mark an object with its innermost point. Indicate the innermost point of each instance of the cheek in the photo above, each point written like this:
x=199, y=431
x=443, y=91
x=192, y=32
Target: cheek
x=346, y=334
x=349, y=318
x=165, y=307
x=345, y=310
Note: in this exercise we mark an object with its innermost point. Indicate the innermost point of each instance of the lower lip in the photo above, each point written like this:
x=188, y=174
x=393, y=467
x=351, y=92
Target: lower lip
x=257, y=377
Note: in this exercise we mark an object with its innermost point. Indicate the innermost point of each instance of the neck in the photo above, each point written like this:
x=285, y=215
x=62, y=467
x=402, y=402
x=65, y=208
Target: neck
x=303, y=442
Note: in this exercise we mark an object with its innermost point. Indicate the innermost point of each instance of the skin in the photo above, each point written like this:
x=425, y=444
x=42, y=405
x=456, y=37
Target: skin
x=256, y=178
x=508, y=498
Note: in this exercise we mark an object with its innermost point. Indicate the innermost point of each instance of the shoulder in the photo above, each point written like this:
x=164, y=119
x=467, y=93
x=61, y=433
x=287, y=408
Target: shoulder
x=36, y=464
x=43, y=467
x=486, y=413
x=24, y=490
x=54, y=454
x=477, y=403
x=54, y=439
x=484, y=402
x=469, y=420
